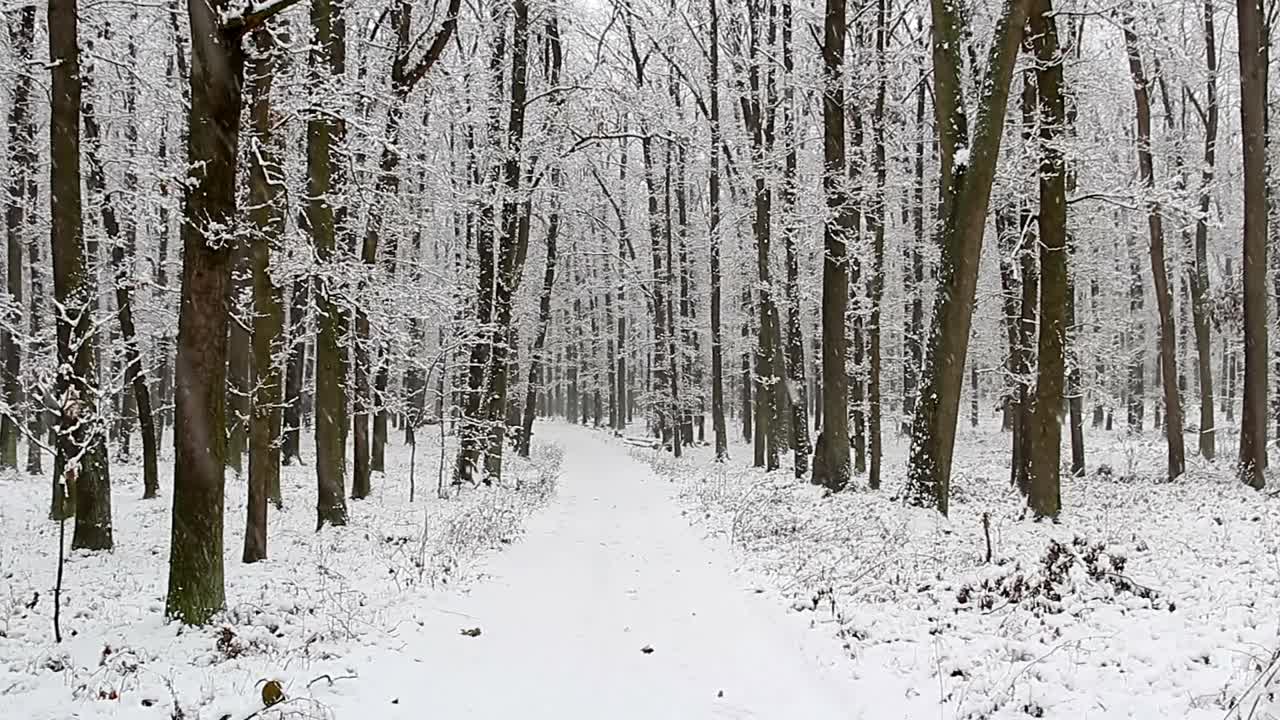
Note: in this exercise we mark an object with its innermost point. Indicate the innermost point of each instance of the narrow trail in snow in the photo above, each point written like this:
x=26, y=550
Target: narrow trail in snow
x=607, y=569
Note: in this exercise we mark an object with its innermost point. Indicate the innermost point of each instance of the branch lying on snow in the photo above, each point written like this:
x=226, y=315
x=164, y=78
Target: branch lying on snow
x=253, y=14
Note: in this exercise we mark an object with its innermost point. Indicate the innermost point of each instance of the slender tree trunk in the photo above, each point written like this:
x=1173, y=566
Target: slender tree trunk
x=239, y=359
x=267, y=214
x=1164, y=299
x=878, y=221
x=1200, y=270
x=790, y=231
x=1254, y=58
x=22, y=162
x=914, y=275
x=713, y=210
x=295, y=364
x=122, y=259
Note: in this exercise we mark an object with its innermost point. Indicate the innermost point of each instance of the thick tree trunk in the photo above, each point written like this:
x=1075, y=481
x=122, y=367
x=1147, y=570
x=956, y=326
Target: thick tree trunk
x=80, y=465
x=1043, y=493
x=324, y=137
x=512, y=248
x=1164, y=299
x=966, y=197
x=209, y=209
x=831, y=454
x=1251, y=19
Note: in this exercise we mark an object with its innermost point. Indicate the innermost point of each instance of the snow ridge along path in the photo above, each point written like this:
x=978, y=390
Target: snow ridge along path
x=607, y=569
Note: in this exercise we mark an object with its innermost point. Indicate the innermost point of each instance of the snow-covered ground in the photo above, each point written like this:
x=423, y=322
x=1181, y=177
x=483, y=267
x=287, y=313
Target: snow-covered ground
x=302, y=617
x=1159, y=600
x=654, y=588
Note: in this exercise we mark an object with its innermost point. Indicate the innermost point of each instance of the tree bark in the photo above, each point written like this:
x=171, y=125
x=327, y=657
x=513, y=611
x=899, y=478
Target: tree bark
x=1250, y=23
x=22, y=160
x=1200, y=270
x=1155, y=228
x=80, y=465
x=831, y=454
x=267, y=214
x=966, y=197
x=209, y=208
x=1043, y=486
x=324, y=136
x=878, y=220
x=713, y=212
x=554, y=63
x=512, y=248
x=790, y=231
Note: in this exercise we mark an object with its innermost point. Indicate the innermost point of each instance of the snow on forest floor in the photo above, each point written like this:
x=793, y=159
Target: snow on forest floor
x=297, y=617
x=1148, y=600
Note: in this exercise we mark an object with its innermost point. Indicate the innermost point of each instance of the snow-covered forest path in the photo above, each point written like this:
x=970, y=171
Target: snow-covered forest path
x=608, y=569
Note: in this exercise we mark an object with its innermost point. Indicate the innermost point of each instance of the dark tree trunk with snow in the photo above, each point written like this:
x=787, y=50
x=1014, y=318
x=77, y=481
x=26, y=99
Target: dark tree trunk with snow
x=209, y=208
x=966, y=183
x=831, y=454
x=553, y=59
x=267, y=215
x=1043, y=494
x=1200, y=270
x=80, y=465
x=325, y=136
x=1254, y=57
x=1155, y=227
x=713, y=210
x=790, y=230
x=22, y=168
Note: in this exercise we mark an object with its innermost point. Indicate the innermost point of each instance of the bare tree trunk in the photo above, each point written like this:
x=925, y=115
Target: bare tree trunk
x=1251, y=19
x=1200, y=271
x=758, y=116
x=22, y=163
x=295, y=364
x=209, y=208
x=266, y=200
x=1164, y=300
x=795, y=325
x=512, y=248
x=1135, y=343
x=81, y=461
x=878, y=218
x=831, y=455
x=966, y=197
x=713, y=202
x=914, y=275
x=324, y=136
x=1043, y=486
x=554, y=62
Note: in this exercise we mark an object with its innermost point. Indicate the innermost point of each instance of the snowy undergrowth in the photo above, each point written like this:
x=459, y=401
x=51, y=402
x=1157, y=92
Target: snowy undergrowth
x=291, y=618
x=1148, y=600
